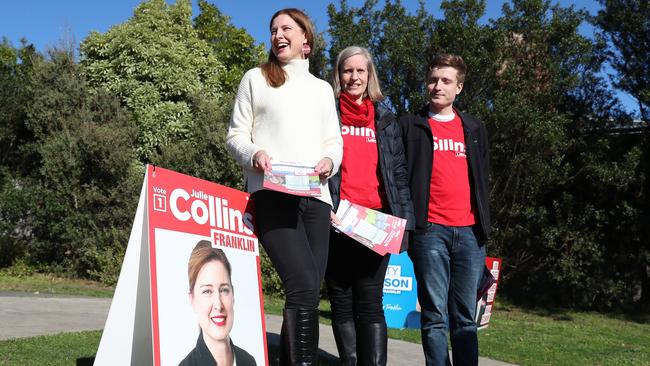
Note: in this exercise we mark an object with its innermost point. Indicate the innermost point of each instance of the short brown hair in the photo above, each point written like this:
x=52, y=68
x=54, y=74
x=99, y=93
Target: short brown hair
x=203, y=253
x=449, y=60
x=271, y=69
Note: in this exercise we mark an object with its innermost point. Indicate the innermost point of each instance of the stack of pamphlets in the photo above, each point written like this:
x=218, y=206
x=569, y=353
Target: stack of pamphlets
x=294, y=178
x=378, y=231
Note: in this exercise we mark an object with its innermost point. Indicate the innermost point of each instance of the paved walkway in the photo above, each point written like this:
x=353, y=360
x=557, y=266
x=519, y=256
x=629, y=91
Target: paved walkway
x=28, y=315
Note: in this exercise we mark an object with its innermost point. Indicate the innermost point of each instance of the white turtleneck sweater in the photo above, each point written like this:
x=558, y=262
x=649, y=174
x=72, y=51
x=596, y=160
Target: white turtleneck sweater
x=295, y=122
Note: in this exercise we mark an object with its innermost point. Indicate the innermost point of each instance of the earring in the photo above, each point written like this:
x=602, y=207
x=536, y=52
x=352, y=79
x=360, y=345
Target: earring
x=306, y=49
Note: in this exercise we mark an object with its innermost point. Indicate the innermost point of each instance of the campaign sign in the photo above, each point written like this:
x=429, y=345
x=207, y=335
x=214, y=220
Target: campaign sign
x=400, y=293
x=187, y=230
x=401, y=307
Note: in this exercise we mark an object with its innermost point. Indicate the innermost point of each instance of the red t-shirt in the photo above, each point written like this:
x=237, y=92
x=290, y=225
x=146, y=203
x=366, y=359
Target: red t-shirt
x=450, y=200
x=360, y=181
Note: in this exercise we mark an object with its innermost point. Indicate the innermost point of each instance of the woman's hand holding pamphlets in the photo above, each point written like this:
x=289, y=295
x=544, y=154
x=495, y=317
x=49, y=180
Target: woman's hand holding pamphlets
x=378, y=231
x=294, y=178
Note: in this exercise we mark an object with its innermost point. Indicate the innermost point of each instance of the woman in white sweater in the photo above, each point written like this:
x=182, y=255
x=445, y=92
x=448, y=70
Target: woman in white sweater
x=283, y=112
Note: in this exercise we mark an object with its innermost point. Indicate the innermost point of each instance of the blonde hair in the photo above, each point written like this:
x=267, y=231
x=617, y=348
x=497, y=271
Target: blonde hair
x=373, y=90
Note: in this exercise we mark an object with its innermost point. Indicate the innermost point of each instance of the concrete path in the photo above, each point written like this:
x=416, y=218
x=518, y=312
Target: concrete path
x=28, y=315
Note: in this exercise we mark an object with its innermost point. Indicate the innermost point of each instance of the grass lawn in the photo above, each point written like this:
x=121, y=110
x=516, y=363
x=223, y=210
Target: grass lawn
x=48, y=284
x=61, y=349
x=529, y=337
x=515, y=335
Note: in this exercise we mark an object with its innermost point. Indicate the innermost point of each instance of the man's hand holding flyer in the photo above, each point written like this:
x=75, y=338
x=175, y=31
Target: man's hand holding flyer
x=294, y=178
x=378, y=231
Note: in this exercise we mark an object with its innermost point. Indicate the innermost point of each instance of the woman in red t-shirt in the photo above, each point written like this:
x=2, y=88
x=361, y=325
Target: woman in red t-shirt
x=372, y=174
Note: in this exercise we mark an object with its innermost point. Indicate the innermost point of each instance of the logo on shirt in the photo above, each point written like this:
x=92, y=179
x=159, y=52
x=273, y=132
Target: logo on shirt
x=366, y=132
x=449, y=145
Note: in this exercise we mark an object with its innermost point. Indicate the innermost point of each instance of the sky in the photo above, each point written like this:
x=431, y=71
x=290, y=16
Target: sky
x=45, y=23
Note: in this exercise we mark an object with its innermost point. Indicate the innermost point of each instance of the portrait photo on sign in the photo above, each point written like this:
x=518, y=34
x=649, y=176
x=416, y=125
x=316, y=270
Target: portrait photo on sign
x=209, y=304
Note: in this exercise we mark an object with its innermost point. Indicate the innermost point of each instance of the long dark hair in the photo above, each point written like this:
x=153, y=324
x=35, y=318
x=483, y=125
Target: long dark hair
x=272, y=69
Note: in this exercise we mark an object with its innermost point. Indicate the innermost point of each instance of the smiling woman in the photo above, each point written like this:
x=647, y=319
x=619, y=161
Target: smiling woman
x=284, y=112
x=373, y=174
x=213, y=298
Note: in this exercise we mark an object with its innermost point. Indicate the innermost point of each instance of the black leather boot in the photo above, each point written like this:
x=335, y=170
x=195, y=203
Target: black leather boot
x=372, y=344
x=299, y=337
x=345, y=335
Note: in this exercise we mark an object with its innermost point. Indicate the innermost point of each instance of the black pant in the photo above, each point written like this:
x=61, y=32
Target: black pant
x=355, y=279
x=295, y=234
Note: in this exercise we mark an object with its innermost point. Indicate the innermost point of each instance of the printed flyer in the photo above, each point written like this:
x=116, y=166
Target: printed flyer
x=487, y=291
x=191, y=277
x=294, y=178
x=378, y=231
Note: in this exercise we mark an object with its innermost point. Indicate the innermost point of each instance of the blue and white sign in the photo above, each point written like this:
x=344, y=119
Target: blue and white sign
x=400, y=293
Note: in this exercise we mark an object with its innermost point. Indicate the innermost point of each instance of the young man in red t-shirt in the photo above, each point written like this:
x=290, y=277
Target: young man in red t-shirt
x=447, y=155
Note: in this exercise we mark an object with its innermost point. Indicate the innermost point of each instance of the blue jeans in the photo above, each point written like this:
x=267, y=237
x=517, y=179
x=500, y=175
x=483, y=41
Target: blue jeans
x=448, y=262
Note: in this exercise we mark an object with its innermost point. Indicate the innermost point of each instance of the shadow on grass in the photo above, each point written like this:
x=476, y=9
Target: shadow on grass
x=640, y=315
x=557, y=314
x=326, y=314
x=85, y=361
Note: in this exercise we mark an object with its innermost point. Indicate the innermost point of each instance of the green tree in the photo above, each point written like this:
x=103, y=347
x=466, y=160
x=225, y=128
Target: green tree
x=559, y=236
x=402, y=54
x=459, y=32
x=626, y=24
x=203, y=153
x=351, y=26
x=17, y=148
x=85, y=192
x=155, y=62
x=527, y=141
x=16, y=66
x=233, y=46
x=72, y=211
